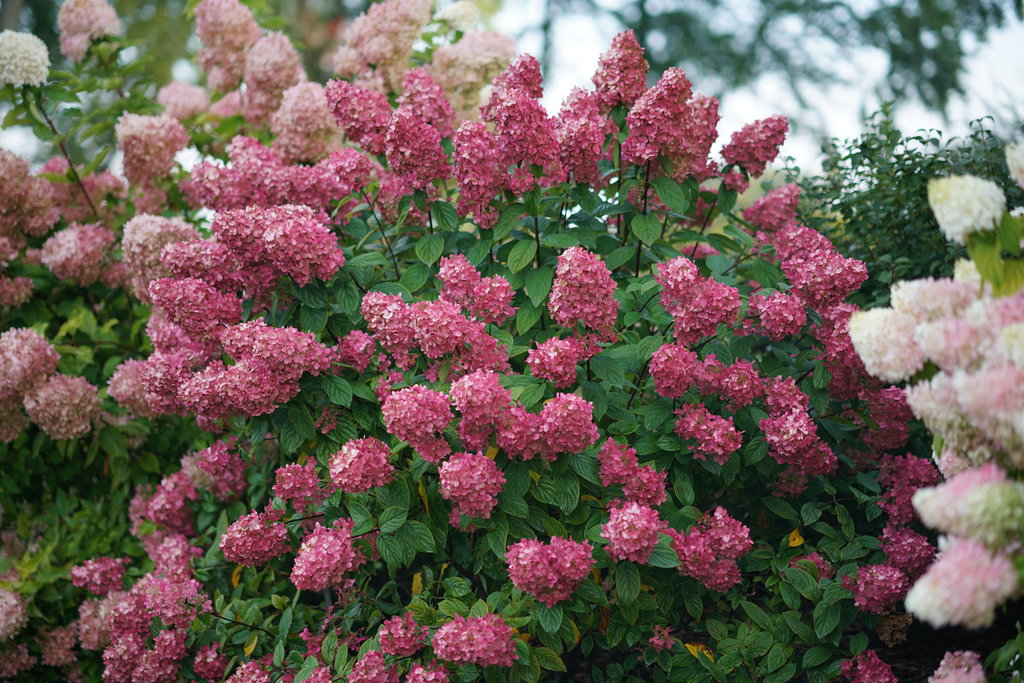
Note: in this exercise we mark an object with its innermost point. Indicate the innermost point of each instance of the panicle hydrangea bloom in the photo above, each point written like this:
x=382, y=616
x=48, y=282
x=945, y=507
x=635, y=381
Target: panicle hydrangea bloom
x=100, y=575
x=487, y=299
x=555, y=360
x=210, y=663
x=877, y=587
x=419, y=415
x=709, y=550
x=58, y=646
x=483, y=404
x=485, y=641
x=675, y=369
x=168, y=505
x=194, y=306
x=227, y=30
x=549, y=572
x=907, y=550
x=14, y=291
x=303, y=125
x=824, y=567
x=1015, y=161
x=13, y=614
x=964, y=586
x=776, y=210
x=757, y=144
x=183, y=100
x=14, y=660
x=356, y=349
x=371, y=668
x=64, y=407
x=621, y=76
x=80, y=22
x=272, y=65
x=981, y=504
x=299, y=484
x=391, y=321
x=472, y=482
x=900, y=477
x=526, y=135
x=255, y=539
x=27, y=203
x=385, y=33
x=463, y=15
x=26, y=360
x=24, y=59
x=928, y=299
x=583, y=292
x=143, y=240
x=617, y=463
x=224, y=470
x=740, y=383
x=480, y=170
x=817, y=272
x=127, y=387
x=581, y=131
x=325, y=556
x=567, y=425
x=632, y=532
x=360, y=465
x=779, y=314
x=465, y=67
x=422, y=96
x=149, y=144
x=421, y=674
x=93, y=625
x=364, y=115
x=963, y=666
x=965, y=204
x=794, y=443
x=867, y=668
x=413, y=149
x=176, y=602
x=402, y=636
x=646, y=486
x=250, y=672
x=716, y=436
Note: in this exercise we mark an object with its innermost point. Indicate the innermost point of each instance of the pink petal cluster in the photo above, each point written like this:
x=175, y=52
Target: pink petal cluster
x=80, y=22
x=101, y=575
x=793, y=439
x=817, y=272
x=674, y=369
x=484, y=298
x=356, y=349
x=424, y=97
x=555, y=360
x=465, y=67
x=255, y=539
x=27, y=203
x=618, y=464
x=963, y=666
x=632, y=532
x=58, y=646
x=227, y=30
x=779, y=315
x=877, y=587
x=901, y=476
x=224, y=470
x=127, y=387
x=176, y=602
x=402, y=636
x=662, y=639
x=364, y=115
x=697, y=305
x=272, y=65
x=210, y=663
x=303, y=126
x=480, y=170
x=194, y=306
x=325, y=556
x=757, y=144
x=361, y=465
x=421, y=674
x=567, y=425
x=907, y=550
x=581, y=129
x=413, y=149
x=250, y=672
x=149, y=144
x=621, y=76
x=776, y=210
x=549, y=572
x=300, y=485
x=483, y=404
x=13, y=614
x=183, y=100
x=472, y=482
x=372, y=668
x=583, y=292
x=708, y=551
x=143, y=239
x=63, y=406
x=715, y=436
x=485, y=641
x=385, y=33
x=78, y=252
x=867, y=668
x=419, y=415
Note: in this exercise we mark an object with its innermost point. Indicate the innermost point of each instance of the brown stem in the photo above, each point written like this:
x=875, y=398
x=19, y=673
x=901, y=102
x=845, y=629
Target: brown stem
x=67, y=157
x=380, y=225
x=704, y=224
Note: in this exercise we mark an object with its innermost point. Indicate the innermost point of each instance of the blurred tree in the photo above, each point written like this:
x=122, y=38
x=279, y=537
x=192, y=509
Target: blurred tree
x=732, y=42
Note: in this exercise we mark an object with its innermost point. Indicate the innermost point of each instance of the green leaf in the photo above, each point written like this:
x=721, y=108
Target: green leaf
x=647, y=228
x=391, y=519
x=803, y=582
x=758, y=616
x=985, y=252
x=547, y=658
x=663, y=555
x=429, y=248
x=527, y=317
x=1013, y=278
x=671, y=195
x=522, y=253
x=780, y=507
x=1009, y=232
x=420, y=536
x=627, y=581
x=149, y=463
x=285, y=625
x=337, y=389
x=445, y=217
x=826, y=618
x=414, y=276
x=550, y=618
x=299, y=418
x=508, y=218
x=538, y=284
x=609, y=369
x=815, y=656
x=567, y=492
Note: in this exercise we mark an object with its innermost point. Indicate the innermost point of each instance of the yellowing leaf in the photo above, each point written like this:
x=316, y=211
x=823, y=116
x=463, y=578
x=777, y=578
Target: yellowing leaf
x=795, y=538
x=535, y=476
x=417, y=583
x=491, y=452
x=423, y=496
x=236, y=575
x=251, y=645
x=696, y=648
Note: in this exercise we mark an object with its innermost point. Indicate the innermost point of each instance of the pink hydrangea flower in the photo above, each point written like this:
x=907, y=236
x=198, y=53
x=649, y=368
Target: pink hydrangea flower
x=364, y=115
x=472, y=482
x=646, y=486
x=227, y=30
x=709, y=550
x=421, y=674
x=100, y=575
x=64, y=407
x=581, y=130
x=58, y=646
x=621, y=76
x=149, y=144
x=480, y=170
x=194, y=306
x=583, y=292
x=567, y=425
x=549, y=572
x=80, y=22
x=250, y=672
x=617, y=463
x=299, y=484
x=674, y=369
x=867, y=668
x=372, y=668
x=182, y=100
x=757, y=144
x=210, y=663
x=779, y=315
x=360, y=465
x=13, y=614
x=632, y=532
x=465, y=67
x=77, y=252
x=325, y=556
x=255, y=539
x=901, y=476
x=28, y=201
x=907, y=550
x=963, y=666
x=272, y=65
x=776, y=210
x=224, y=470
x=127, y=387
x=303, y=125
x=715, y=436
x=143, y=239
x=402, y=636
x=414, y=151
x=483, y=404
x=356, y=349
x=555, y=360
x=877, y=587
x=485, y=641
x=26, y=360
x=419, y=415
x=661, y=638
x=425, y=98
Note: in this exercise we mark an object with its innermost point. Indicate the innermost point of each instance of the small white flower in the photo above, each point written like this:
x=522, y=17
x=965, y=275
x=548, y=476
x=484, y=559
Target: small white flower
x=462, y=15
x=884, y=339
x=23, y=59
x=1015, y=161
x=965, y=204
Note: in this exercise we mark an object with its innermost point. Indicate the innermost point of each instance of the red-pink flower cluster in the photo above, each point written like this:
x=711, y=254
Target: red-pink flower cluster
x=757, y=144
x=424, y=97
x=549, y=572
x=26, y=202
x=485, y=641
x=867, y=668
x=141, y=244
x=255, y=539
x=221, y=470
x=419, y=415
x=621, y=76
x=632, y=532
x=484, y=298
x=901, y=476
x=776, y=210
x=779, y=315
x=907, y=550
x=715, y=436
x=817, y=272
x=582, y=129
x=325, y=556
x=26, y=361
x=583, y=293
x=58, y=646
x=472, y=482
x=413, y=149
x=877, y=587
x=300, y=485
x=480, y=171
x=708, y=551
x=149, y=144
x=483, y=404
x=555, y=360
x=697, y=305
x=210, y=663
x=100, y=575
x=402, y=636
x=618, y=464
x=792, y=436
x=361, y=465
x=372, y=668
x=364, y=115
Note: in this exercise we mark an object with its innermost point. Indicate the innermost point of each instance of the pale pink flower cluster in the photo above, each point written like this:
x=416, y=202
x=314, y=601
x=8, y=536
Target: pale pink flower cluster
x=583, y=293
x=361, y=465
x=776, y=210
x=325, y=556
x=465, y=67
x=963, y=666
x=127, y=388
x=101, y=575
x=632, y=532
x=224, y=470
x=227, y=30
x=621, y=76
x=877, y=587
x=549, y=572
x=103, y=188
x=300, y=484
x=715, y=436
x=27, y=203
x=472, y=482
x=26, y=361
x=483, y=404
x=272, y=65
x=708, y=551
x=419, y=415
x=250, y=672
x=484, y=298
x=402, y=636
x=143, y=239
x=421, y=674
x=372, y=668
x=63, y=406
x=867, y=668
x=80, y=22
x=149, y=144
x=303, y=126
x=697, y=305
x=183, y=100
x=485, y=641
x=176, y=601
x=210, y=663
x=255, y=539
x=964, y=586
x=58, y=646
x=982, y=504
x=13, y=614
x=382, y=37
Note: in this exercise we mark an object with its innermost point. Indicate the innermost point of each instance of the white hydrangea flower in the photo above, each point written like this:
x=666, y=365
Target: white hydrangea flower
x=23, y=59
x=463, y=15
x=884, y=339
x=965, y=204
x=1011, y=343
x=1015, y=161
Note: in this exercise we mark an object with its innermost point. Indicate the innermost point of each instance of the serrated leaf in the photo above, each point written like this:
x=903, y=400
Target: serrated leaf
x=420, y=537
x=780, y=507
x=445, y=217
x=826, y=618
x=627, y=581
x=550, y=618
x=815, y=656
x=538, y=284
x=429, y=247
x=671, y=195
x=663, y=555
x=391, y=519
x=521, y=255
x=547, y=658
x=647, y=228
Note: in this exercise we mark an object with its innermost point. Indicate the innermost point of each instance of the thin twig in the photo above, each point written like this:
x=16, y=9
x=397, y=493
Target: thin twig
x=64, y=151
